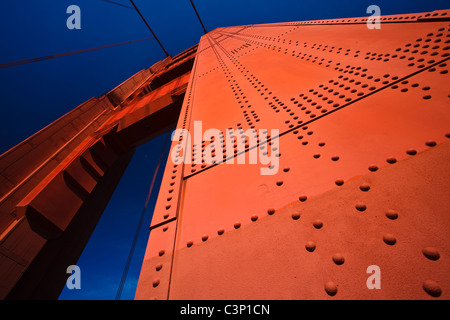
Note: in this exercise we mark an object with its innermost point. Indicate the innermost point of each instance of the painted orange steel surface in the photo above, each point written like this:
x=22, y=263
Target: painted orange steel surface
x=363, y=117
x=361, y=179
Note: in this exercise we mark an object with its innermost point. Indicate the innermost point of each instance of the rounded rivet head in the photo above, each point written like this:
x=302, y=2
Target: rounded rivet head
x=364, y=187
x=237, y=225
x=189, y=244
x=302, y=198
x=373, y=168
x=318, y=224
x=310, y=246
x=279, y=183
x=392, y=214
x=391, y=160
x=331, y=288
x=156, y=283
x=335, y=158
x=158, y=267
x=411, y=152
x=254, y=218
x=338, y=259
x=296, y=215
x=161, y=252
x=389, y=239
x=271, y=211
x=220, y=232
x=431, y=253
x=430, y=143
x=204, y=238
x=432, y=288
x=360, y=206
x=339, y=182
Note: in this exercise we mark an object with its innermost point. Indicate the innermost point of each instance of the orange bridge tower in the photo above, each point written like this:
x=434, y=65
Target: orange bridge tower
x=350, y=130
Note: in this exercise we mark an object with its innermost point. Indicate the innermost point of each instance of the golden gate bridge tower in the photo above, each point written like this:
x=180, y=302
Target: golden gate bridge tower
x=360, y=186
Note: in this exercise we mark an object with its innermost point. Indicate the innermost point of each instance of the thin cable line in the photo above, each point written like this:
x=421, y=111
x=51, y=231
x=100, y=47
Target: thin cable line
x=118, y=4
x=58, y=55
x=145, y=21
x=198, y=16
x=141, y=219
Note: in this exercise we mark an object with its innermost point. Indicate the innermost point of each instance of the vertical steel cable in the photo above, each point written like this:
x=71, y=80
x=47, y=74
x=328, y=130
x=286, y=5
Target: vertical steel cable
x=141, y=219
x=198, y=16
x=145, y=21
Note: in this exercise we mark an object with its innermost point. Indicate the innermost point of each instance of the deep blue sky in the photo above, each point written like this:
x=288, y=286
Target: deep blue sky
x=33, y=95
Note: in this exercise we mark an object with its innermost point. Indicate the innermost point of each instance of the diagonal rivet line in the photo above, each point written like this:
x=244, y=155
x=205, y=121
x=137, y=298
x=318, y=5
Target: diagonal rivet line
x=332, y=111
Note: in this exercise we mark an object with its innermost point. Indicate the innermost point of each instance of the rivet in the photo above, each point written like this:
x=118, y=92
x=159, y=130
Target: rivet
x=331, y=288
x=302, y=198
x=189, y=244
x=161, y=253
x=431, y=143
x=360, y=206
x=279, y=183
x=271, y=211
x=335, y=158
x=254, y=218
x=391, y=160
x=373, y=168
x=432, y=288
x=318, y=224
x=220, y=232
x=389, y=239
x=237, y=225
x=338, y=259
x=411, y=152
x=431, y=253
x=391, y=214
x=364, y=187
x=158, y=267
x=296, y=215
x=156, y=283
x=204, y=238
x=310, y=246
x=339, y=182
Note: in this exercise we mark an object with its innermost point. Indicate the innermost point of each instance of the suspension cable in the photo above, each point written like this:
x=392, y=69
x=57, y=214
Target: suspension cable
x=118, y=4
x=141, y=219
x=145, y=21
x=198, y=16
x=58, y=55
